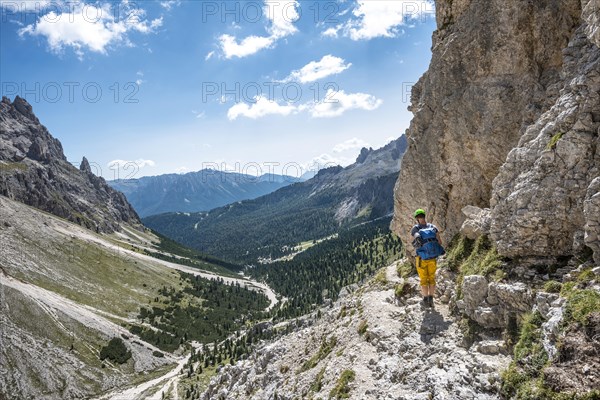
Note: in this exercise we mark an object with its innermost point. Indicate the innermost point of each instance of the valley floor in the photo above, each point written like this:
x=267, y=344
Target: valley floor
x=64, y=292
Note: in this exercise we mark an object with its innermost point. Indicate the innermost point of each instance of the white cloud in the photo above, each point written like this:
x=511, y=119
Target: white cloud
x=315, y=70
x=182, y=170
x=337, y=103
x=26, y=5
x=334, y=105
x=326, y=160
x=169, y=4
x=350, y=144
x=281, y=13
x=331, y=32
x=156, y=23
x=248, y=46
x=209, y=55
x=262, y=107
x=90, y=27
x=381, y=18
x=139, y=82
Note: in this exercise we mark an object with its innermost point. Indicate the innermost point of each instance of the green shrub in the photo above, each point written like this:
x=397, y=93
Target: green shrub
x=530, y=335
x=554, y=140
x=459, y=249
x=157, y=353
x=524, y=378
x=362, y=327
x=512, y=380
x=586, y=276
x=401, y=290
x=580, y=304
x=552, y=287
x=341, y=390
x=479, y=257
x=381, y=277
x=116, y=351
x=405, y=269
x=326, y=348
x=483, y=260
x=317, y=385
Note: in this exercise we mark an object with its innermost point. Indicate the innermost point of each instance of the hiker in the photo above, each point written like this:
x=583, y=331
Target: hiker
x=428, y=246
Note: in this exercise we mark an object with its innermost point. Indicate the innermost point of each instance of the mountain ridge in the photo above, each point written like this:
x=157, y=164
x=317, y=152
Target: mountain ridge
x=269, y=225
x=196, y=191
x=35, y=171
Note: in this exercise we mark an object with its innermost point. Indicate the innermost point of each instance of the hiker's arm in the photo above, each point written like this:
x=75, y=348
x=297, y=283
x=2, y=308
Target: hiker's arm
x=439, y=238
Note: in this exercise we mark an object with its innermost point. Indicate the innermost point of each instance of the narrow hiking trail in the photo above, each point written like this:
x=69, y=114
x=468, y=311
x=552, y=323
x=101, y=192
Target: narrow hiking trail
x=424, y=351
x=396, y=350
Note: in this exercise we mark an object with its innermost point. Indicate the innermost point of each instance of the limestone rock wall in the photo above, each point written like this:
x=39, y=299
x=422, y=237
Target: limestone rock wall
x=545, y=198
x=506, y=119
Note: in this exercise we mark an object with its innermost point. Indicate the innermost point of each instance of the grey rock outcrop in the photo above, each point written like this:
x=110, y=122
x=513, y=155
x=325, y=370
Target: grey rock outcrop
x=539, y=197
x=402, y=352
x=495, y=68
x=551, y=308
x=591, y=212
x=34, y=171
x=491, y=304
x=478, y=222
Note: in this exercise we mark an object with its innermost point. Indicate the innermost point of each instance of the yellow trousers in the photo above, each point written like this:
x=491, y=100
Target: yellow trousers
x=426, y=270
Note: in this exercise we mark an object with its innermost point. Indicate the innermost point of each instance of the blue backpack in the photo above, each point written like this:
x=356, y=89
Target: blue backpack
x=430, y=247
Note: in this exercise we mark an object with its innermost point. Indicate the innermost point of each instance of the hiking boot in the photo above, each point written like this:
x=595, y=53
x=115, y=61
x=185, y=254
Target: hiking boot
x=430, y=301
x=425, y=302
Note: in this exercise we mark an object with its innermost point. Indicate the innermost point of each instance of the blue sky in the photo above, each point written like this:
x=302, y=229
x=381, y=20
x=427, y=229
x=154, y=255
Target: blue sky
x=250, y=86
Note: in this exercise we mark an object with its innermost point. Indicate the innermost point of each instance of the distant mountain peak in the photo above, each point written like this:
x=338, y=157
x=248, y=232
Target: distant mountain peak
x=364, y=153
x=22, y=106
x=85, y=166
x=35, y=171
x=197, y=191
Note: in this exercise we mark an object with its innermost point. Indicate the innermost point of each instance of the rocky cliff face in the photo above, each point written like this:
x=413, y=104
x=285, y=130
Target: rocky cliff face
x=545, y=200
x=505, y=144
x=34, y=171
x=497, y=67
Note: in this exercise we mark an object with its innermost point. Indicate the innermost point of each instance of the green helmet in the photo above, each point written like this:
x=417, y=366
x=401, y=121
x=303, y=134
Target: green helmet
x=420, y=211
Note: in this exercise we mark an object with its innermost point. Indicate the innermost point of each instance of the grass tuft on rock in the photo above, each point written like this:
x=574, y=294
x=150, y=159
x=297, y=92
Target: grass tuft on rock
x=554, y=141
x=474, y=257
x=326, y=348
x=342, y=389
x=405, y=269
x=362, y=327
x=580, y=303
x=552, y=287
